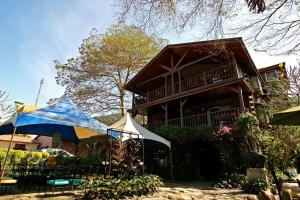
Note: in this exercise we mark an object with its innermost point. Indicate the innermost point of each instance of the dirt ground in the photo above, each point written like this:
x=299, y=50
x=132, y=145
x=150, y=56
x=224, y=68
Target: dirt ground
x=175, y=191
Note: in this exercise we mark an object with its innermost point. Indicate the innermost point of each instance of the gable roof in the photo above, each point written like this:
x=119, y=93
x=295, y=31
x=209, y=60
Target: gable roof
x=152, y=69
x=17, y=138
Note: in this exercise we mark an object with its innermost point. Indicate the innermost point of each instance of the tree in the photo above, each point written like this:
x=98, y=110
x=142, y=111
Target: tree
x=6, y=110
x=109, y=119
x=96, y=78
x=294, y=83
x=272, y=25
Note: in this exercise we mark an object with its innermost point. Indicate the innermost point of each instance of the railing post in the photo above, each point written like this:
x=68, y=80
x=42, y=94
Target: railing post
x=209, y=117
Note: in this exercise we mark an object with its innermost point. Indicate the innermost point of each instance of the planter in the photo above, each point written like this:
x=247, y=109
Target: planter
x=294, y=187
x=257, y=173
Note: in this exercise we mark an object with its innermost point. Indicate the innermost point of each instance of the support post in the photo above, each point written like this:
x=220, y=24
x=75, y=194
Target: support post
x=182, y=102
x=240, y=92
x=7, y=152
x=166, y=86
x=166, y=113
x=110, y=149
x=172, y=73
x=209, y=118
x=179, y=77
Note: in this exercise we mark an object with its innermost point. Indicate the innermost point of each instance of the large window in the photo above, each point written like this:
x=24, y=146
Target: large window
x=271, y=75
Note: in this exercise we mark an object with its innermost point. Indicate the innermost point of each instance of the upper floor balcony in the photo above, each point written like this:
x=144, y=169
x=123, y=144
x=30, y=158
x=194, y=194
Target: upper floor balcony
x=225, y=116
x=200, y=80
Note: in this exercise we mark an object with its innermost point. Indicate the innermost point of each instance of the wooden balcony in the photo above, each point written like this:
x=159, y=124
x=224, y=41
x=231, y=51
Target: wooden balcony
x=227, y=116
x=206, y=78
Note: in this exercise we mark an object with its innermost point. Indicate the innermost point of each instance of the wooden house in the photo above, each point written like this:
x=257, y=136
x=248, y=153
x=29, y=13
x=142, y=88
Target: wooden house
x=195, y=84
x=277, y=71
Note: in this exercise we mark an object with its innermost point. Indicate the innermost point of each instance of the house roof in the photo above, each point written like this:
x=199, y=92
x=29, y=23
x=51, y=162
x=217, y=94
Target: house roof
x=17, y=138
x=270, y=68
x=199, y=48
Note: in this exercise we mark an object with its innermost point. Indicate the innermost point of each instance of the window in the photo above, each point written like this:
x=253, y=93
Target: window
x=271, y=75
x=20, y=147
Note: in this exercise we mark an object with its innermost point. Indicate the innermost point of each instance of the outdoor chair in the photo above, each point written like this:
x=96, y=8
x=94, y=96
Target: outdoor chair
x=57, y=181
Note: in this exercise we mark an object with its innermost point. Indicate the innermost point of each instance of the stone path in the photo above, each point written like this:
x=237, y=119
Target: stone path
x=196, y=190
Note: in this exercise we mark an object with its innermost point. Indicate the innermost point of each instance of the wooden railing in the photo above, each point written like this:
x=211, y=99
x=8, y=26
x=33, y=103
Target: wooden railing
x=227, y=116
x=199, y=80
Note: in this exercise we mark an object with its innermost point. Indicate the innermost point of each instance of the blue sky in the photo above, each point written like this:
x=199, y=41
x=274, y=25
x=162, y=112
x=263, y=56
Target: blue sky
x=34, y=33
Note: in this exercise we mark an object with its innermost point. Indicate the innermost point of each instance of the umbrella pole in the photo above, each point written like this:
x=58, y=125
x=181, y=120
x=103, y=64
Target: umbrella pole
x=110, y=154
x=7, y=152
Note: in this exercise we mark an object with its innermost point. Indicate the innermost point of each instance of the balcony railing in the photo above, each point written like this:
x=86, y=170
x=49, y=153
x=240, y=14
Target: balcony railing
x=227, y=116
x=199, y=80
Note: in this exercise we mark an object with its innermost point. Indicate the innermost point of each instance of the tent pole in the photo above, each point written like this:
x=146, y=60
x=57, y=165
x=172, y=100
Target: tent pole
x=171, y=160
x=110, y=154
x=7, y=152
x=143, y=156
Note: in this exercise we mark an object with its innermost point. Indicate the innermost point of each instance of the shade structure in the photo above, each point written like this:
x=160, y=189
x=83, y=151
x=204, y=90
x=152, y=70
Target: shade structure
x=128, y=125
x=289, y=116
x=61, y=117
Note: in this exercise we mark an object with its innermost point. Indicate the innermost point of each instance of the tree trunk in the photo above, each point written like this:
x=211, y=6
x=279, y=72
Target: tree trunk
x=122, y=108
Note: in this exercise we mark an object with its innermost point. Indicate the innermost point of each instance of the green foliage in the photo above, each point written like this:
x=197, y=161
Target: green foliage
x=234, y=180
x=248, y=127
x=237, y=178
x=280, y=144
x=16, y=157
x=276, y=98
x=119, y=189
x=255, y=186
x=185, y=135
x=247, y=123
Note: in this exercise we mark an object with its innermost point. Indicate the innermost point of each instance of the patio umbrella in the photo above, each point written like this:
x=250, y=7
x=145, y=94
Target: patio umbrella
x=289, y=116
x=61, y=117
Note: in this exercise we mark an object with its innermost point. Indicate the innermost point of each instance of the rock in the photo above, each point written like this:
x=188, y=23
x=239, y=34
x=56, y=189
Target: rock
x=173, y=196
x=287, y=194
x=252, y=197
x=266, y=195
x=184, y=197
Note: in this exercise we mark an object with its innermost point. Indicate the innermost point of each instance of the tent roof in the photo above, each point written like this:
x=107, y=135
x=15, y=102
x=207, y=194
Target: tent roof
x=61, y=116
x=128, y=124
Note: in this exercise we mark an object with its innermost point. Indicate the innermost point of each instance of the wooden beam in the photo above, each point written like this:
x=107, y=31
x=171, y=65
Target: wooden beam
x=198, y=60
x=242, y=104
x=164, y=66
x=172, y=73
x=165, y=107
x=166, y=86
x=234, y=63
x=182, y=102
x=181, y=59
x=234, y=89
x=149, y=80
x=179, y=77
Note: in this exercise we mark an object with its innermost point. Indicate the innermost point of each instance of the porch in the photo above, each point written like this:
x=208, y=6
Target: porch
x=182, y=84
x=210, y=118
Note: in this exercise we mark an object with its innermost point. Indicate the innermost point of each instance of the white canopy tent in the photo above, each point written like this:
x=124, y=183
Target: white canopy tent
x=128, y=125
x=129, y=128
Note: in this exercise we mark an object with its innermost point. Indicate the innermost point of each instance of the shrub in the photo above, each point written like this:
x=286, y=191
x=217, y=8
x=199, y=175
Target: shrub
x=231, y=181
x=255, y=186
x=118, y=189
x=185, y=135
